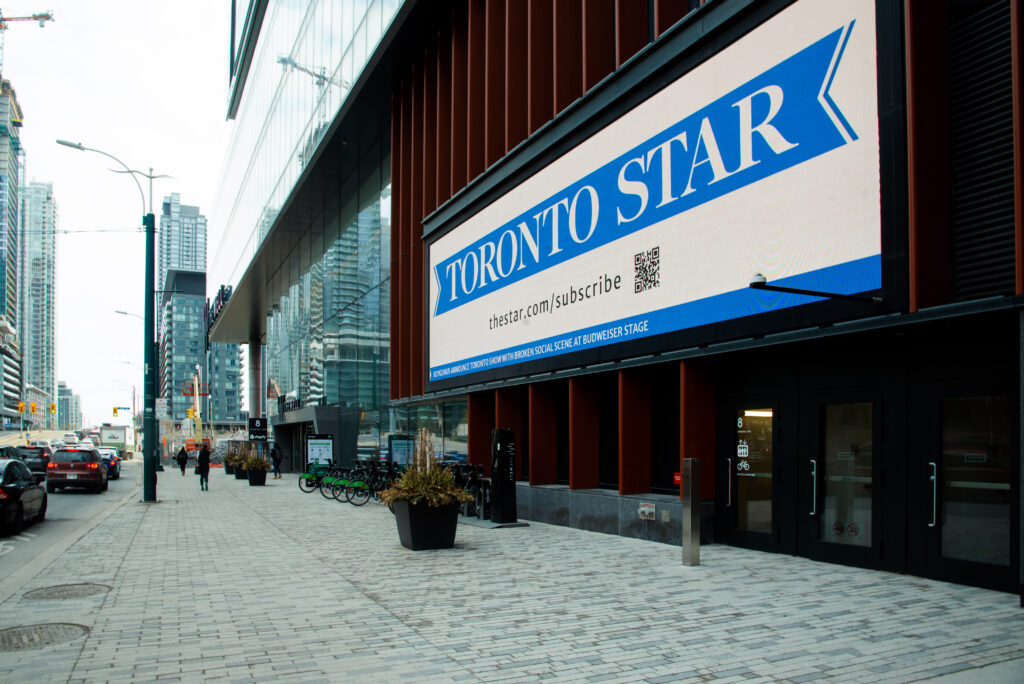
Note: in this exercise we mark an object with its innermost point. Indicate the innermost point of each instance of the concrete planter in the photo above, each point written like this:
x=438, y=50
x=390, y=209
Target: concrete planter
x=423, y=527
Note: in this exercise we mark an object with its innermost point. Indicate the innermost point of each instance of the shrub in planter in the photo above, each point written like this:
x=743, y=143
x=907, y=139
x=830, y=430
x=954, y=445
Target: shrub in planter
x=426, y=500
x=230, y=463
x=256, y=470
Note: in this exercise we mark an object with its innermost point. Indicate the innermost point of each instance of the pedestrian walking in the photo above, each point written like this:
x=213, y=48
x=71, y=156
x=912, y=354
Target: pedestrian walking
x=275, y=456
x=204, y=468
x=182, y=459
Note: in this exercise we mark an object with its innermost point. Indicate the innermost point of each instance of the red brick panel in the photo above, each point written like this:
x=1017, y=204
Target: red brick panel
x=928, y=165
x=508, y=414
x=668, y=12
x=631, y=24
x=415, y=337
x=568, y=71
x=697, y=422
x=516, y=70
x=430, y=106
x=402, y=331
x=476, y=88
x=396, y=209
x=442, y=166
x=598, y=41
x=494, y=86
x=634, y=431
x=460, y=100
x=583, y=434
x=541, y=47
x=480, y=415
x=543, y=417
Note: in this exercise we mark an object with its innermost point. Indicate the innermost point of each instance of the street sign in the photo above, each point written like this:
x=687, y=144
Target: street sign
x=257, y=429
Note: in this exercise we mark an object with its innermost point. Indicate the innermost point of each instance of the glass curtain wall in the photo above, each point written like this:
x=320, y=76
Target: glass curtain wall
x=328, y=339
x=447, y=423
x=307, y=56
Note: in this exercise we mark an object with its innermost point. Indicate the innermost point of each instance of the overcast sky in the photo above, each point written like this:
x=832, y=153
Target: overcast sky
x=146, y=81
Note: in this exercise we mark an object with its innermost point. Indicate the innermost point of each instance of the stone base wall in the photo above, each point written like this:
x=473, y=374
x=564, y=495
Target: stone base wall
x=605, y=510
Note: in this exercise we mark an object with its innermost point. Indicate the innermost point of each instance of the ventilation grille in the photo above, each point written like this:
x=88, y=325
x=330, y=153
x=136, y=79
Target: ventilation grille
x=981, y=117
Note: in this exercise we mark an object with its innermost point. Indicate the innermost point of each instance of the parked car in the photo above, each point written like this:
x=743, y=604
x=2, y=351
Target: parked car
x=21, y=497
x=76, y=467
x=111, y=459
x=36, y=458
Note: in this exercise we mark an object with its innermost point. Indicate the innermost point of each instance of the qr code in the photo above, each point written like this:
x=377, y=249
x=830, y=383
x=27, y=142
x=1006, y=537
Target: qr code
x=647, y=270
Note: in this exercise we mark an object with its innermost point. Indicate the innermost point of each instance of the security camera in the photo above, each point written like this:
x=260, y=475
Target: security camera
x=757, y=280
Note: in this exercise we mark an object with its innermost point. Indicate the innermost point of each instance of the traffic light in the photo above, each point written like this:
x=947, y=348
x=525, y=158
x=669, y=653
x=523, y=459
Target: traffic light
x=191, y=412
x=115, y=412
x=21, y=407
x=53, y=409
x=32, y=407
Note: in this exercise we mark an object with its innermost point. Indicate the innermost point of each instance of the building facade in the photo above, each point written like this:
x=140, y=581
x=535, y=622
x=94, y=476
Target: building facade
x=182, y=238
x=182, y=347
x=782, y=238
x=10, y=182
x=38, y=289
x=224, y=368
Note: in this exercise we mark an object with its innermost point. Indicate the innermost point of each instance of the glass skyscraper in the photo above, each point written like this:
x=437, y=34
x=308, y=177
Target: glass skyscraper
x=10, y=174
x=37, y=290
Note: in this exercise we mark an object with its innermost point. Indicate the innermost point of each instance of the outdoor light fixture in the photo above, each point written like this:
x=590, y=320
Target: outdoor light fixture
x=759, y=282
x=149, y=423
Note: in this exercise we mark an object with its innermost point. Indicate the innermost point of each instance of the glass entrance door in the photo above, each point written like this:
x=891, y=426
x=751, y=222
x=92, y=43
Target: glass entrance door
x=753, y=470
x=751, y=501
x=838, y=519
x=962, y=477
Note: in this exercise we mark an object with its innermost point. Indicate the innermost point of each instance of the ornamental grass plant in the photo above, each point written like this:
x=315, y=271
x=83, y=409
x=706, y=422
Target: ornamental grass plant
x=425, y=481
x=256, y=463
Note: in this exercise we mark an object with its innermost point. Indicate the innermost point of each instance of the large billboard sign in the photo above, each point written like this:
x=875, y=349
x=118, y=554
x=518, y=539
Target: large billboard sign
x=764, y=159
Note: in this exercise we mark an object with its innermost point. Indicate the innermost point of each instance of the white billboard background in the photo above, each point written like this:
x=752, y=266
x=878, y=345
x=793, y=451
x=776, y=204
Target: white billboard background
x=819, y=213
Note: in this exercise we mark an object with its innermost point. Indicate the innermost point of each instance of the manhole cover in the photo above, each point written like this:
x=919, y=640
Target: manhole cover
x=65, y=591
x=32, y=637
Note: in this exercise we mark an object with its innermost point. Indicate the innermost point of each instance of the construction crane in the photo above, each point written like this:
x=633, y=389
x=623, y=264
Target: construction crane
x=196, y=389
x=319, y=74
x=41, y=17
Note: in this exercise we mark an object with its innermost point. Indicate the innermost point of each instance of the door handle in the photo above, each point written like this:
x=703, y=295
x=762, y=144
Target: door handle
x=934, y=480
x=814, y=487
x=728, y=480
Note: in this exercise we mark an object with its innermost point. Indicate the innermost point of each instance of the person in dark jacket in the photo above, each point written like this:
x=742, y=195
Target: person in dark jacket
x=275, y=456
x=204, y=468
x=182, y=459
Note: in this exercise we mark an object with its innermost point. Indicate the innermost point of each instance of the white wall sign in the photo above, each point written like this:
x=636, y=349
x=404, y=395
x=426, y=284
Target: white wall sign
x=320, y=450
x=763, y=159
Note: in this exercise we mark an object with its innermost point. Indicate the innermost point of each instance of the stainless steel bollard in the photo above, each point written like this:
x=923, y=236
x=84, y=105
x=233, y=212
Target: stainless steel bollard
x=691, y=511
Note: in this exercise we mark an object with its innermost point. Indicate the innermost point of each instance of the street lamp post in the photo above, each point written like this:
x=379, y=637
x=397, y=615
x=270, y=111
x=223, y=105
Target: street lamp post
x=149, y=426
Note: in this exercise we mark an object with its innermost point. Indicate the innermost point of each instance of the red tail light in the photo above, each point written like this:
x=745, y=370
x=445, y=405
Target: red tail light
x=92, y=466
x=3, y=495
x=51, y=465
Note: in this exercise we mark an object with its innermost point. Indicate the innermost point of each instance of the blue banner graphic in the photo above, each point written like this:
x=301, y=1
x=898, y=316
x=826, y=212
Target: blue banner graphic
x=860, y=275
x=775, y=121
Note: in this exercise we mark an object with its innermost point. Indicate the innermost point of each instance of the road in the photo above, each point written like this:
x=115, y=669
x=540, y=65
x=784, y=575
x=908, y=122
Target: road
x=17, y=437
x=69, y=516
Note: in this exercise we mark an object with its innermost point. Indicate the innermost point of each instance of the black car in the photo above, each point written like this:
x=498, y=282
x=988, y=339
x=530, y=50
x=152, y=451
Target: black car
x=36, y=458
x=21, y=497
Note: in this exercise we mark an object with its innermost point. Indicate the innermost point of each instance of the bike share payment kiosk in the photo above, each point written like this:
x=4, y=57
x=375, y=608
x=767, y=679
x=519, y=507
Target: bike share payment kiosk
x=503, y=476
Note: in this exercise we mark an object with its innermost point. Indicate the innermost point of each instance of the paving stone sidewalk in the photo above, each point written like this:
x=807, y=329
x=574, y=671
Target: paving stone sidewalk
x=268, y=584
